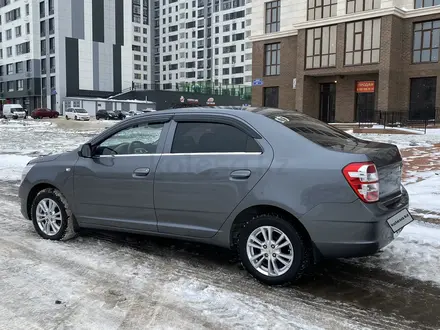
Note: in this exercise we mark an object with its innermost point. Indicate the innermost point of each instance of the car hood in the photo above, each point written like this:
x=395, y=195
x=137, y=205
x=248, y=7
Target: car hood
x=44, y=159
x=49, y=158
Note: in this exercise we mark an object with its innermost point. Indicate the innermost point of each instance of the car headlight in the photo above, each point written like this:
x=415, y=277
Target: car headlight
x=26, y=171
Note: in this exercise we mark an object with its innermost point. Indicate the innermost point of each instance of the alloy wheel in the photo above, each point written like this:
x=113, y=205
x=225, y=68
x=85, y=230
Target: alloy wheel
x=49, y=217
x=270, y=251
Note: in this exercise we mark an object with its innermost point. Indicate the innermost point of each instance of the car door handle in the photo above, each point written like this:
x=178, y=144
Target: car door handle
x=240, y=174
x=141, y=172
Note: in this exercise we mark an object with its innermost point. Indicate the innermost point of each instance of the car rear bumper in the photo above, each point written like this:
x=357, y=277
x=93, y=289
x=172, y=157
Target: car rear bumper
x=352, y=230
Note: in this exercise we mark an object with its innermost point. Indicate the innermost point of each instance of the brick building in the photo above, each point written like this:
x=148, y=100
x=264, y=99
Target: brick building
x=338, y=60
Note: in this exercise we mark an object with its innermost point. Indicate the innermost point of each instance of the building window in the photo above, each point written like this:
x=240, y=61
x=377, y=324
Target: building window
x=426, y=3
x=18, y=31
x=19, y=67
x=354, y=6
x=8, y=34
x=42, y=11
x=20, y=85
x=10, y=69
x=426, y=41
x=321, y=9
x=9, y=51
x=272, y=16
x=10, y=86
x=321, y=47
x=362, y=42
x=272, y=59
x=270, y=97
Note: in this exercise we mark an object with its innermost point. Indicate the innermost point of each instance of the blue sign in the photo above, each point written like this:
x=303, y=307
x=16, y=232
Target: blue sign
x=257, y=82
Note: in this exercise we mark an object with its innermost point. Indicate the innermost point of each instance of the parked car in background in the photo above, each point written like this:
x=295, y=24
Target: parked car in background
x=147, y=110
x=135, y=112
x=237, y=179
x=122, y=114
x=40, y=113
x=107, y=115
x=14, y=111
x=77, y=114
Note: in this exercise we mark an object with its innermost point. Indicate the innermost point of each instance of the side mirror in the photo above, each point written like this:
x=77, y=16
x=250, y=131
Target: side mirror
x=86, y=150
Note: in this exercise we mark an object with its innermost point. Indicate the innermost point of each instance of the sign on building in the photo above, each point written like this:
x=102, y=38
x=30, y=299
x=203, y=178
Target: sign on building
x=365, y=86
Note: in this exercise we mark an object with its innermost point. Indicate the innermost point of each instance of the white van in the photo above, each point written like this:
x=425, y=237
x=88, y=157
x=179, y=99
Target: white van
x=77, y=114
x=13, y=111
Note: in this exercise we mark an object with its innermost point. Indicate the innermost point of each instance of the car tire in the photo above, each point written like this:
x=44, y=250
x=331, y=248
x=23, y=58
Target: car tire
x=64, y=227
x=290, y=270
x=67, y=117
x=76, y=118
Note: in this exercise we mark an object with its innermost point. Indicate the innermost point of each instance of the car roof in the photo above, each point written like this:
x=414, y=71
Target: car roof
x=239, y=111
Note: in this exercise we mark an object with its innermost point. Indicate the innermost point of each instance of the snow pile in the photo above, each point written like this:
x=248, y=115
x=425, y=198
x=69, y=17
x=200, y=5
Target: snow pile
x=425, y=195
x=403, y=140
x=28, y=123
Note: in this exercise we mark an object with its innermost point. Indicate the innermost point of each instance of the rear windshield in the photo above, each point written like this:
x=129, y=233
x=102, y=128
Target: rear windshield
x=311, y=128
x=80, y=111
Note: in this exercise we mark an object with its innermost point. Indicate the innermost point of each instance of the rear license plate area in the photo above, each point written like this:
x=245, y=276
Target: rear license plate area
x=400, y=220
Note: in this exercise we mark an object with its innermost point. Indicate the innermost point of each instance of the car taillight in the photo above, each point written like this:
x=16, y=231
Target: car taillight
x=364, y=180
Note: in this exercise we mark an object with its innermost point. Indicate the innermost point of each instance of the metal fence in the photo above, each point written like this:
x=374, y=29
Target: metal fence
x=418, y=120
x=202, y=87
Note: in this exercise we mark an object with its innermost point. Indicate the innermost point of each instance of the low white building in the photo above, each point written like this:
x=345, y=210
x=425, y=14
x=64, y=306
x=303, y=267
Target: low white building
x=92, y=105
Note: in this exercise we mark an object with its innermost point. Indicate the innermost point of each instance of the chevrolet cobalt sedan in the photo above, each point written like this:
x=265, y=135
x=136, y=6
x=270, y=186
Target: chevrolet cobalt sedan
x=279, y=187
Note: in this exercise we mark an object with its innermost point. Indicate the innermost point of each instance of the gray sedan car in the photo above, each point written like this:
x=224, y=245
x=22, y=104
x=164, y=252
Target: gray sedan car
x=281, y=188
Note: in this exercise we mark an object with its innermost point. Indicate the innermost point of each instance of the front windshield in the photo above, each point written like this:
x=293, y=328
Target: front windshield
x=80, y=111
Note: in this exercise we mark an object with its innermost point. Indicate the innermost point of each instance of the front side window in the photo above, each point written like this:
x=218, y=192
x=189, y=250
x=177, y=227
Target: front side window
x=138, y=139
x=272, y=59
x=362, y=42
x=272, y=16
x=426, y=41
x=321, y=47
x=211, y=138
x=321, y=9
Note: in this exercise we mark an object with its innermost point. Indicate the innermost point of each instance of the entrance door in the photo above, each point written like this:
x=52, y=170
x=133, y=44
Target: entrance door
x=365, y=101
x=270, y=97
x=327, y=103
x=422, y=99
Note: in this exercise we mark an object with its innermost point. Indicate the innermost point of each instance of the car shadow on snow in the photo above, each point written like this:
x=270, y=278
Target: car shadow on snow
x=410, y=300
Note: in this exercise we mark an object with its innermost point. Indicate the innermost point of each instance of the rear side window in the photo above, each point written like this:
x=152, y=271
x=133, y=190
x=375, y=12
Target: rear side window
x=312, y=129
x=199, y=137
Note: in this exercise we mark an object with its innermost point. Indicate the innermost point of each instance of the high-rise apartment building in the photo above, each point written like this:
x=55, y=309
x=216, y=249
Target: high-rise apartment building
x=339, y=60
x=201, y=41
x=50, y=49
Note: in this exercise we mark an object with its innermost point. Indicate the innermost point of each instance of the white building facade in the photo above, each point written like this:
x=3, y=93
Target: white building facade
x=201, y=42
x=51, y=49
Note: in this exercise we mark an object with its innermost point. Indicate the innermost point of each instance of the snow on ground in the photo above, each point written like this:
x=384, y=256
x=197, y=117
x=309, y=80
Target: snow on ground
x=403, y=140
x=11, y=166
x=414, y=254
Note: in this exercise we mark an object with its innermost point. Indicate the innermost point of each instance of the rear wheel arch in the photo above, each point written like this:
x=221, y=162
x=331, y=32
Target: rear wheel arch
x=252, y=212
